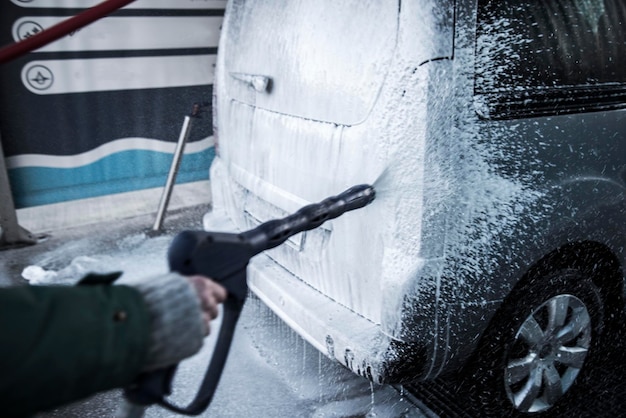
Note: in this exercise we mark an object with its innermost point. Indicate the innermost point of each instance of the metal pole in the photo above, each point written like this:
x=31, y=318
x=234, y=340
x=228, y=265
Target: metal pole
x=171, y=177
x=11, y=233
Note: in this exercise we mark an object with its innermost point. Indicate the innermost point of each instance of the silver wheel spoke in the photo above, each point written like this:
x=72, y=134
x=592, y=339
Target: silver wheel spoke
x=579, y=322
x=525, y=398
x=553, y=388
x=519, y=369
x=572, y=356
x=531, y=331
x=557, y=313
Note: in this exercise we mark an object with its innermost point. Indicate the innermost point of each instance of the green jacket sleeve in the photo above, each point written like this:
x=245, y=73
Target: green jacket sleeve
x=59, y=344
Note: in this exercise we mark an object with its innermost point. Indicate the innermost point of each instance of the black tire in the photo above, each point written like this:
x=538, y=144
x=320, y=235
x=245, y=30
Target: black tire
x=521, y=370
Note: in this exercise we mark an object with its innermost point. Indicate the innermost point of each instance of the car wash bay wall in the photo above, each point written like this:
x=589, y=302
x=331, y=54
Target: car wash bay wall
x=100, y=110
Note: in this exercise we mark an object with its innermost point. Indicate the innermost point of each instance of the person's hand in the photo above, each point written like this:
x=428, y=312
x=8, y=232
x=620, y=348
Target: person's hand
x=211, y=294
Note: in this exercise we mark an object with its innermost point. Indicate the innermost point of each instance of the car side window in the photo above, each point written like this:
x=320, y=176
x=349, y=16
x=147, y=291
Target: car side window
x=543, y=58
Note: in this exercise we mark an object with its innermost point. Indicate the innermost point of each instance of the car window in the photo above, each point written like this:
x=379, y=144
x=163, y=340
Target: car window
x=537, y=58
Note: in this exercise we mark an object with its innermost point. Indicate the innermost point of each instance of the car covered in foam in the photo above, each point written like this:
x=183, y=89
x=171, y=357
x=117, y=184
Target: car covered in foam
x=494, y=135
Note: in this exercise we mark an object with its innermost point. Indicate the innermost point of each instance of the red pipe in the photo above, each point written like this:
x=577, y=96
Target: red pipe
x=61, y=29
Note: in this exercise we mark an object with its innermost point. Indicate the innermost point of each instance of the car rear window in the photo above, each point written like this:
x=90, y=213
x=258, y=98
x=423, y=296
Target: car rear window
x=561, y=56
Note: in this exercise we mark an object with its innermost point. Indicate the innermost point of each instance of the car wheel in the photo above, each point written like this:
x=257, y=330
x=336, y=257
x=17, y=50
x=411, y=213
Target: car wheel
x=538, y=347
x=547, y=353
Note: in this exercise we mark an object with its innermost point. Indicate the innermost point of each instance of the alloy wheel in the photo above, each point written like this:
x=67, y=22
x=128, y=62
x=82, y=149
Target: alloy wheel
x=547, y=354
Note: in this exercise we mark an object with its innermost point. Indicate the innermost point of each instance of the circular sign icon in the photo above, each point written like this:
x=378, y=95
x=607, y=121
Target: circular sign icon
x=39, y=77
x=27, y=29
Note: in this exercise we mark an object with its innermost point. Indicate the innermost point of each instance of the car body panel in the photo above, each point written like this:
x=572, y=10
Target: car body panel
x=466, y=204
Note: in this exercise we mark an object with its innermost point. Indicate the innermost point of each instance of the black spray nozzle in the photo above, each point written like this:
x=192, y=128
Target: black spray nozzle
x=273, y=233
x=220, y=255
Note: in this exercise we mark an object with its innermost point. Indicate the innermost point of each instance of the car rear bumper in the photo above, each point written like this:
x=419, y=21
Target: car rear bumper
x=337, y=331
x=333, y=329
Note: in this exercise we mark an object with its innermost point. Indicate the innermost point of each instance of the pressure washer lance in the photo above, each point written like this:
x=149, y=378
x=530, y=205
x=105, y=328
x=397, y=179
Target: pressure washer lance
x=224, y=258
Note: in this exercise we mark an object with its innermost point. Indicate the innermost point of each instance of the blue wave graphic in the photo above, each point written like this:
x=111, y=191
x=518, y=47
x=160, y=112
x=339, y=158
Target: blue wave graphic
x=117, y=173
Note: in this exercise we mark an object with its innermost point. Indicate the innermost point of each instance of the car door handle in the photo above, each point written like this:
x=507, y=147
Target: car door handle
x=260, y=83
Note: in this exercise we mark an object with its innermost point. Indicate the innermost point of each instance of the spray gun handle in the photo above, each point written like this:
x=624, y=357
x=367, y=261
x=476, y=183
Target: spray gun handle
x=224, y=257
x=153, y=387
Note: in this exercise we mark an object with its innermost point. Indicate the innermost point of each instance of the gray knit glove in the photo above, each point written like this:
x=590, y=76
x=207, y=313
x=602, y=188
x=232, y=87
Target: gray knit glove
x=177, y=327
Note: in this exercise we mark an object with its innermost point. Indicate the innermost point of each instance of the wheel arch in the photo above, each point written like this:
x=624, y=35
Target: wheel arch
x=595, y=258
x=593, y=268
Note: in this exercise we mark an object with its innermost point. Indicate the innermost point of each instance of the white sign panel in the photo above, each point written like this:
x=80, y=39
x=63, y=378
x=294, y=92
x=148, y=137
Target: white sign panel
x=127, y=33
x=108, y=74
x=139, y=4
